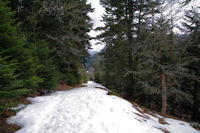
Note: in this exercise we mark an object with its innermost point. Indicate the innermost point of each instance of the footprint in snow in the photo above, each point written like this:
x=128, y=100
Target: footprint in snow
x=111, y=109
x=100, y=102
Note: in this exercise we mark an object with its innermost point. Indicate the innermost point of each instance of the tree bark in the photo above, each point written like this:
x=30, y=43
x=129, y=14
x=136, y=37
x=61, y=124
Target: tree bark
x=195, y=107
x=129, y=16
x=164, y=95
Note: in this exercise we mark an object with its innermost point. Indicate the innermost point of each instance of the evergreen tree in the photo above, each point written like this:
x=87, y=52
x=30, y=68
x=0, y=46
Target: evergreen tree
x=66, y=42
x=13, y=53
x=192, y=24
x=152, y=61
x=8, y=79
x=42, y=43
x=127, y=21
x=47, y=70
x=67, y=36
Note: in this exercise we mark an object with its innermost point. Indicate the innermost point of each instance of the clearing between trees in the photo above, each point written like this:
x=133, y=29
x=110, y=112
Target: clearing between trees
x=90, y=110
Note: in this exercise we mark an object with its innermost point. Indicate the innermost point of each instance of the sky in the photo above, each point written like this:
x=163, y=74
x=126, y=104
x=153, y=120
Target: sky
x=96, y=17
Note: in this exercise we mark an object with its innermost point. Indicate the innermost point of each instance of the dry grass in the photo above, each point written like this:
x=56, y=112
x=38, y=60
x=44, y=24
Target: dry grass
x=62, y=87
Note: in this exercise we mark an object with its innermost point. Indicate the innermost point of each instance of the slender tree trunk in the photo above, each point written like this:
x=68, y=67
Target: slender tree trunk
x=129, y=16
x=130, y=92
x=164, y=95
x=194, y=101
x=195, y=108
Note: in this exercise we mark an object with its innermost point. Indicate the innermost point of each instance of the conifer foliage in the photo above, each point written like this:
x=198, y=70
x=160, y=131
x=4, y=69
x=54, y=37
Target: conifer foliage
x=17, y=67
x=42, y=44
x=192, y=82
x=147, y=61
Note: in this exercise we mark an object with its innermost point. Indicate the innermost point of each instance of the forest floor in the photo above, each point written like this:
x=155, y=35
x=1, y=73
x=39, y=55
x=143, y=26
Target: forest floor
x=90, y=109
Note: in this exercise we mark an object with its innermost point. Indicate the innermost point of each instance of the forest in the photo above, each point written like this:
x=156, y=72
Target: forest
x=149, y=58
x=42, y=44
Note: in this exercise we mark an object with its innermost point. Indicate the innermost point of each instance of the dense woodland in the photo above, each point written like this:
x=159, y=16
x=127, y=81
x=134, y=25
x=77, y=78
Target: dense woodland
x=45, y=42
x=146, y=61
x=42, y=43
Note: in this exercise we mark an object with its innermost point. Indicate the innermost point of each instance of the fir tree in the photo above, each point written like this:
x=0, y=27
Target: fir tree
x=192, y=24
x=14, y=53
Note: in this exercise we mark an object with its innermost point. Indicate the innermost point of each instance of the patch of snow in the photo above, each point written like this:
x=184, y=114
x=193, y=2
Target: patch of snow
x=89, y=110
x=176, y=125
x=20, y=106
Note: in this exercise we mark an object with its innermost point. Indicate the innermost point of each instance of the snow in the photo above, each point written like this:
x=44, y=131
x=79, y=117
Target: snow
x=20, y=106
x=89, y=110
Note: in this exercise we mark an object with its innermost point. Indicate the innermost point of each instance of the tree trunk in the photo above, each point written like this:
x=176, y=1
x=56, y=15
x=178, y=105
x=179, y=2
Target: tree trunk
x=164, y=95
x=131, y=88
x=129, y=16
x=195, y=107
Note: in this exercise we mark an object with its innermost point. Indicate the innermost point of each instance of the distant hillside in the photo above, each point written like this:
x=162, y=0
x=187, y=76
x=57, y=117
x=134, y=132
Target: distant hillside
x=91, y=59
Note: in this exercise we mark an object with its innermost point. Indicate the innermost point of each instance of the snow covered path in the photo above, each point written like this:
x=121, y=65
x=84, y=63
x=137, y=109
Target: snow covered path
x=89, y=110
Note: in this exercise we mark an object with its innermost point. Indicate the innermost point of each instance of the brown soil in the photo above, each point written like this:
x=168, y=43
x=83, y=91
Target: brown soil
x=109, y=93
x=142, y=115
x=100, y=88
x=164, y=130
x=62, y=87
x=5, y=113
x=24, y=101
x=162, y=121
x=4, y=127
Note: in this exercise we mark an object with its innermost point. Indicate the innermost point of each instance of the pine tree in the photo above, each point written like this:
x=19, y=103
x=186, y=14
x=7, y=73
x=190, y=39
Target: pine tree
x=40, y=50
x=152, y=64
x=127, y=21
x=67, y=36
x=192, y=24
x=14, y=53
x=47, y=70
x=8, y=78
